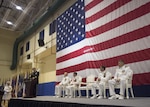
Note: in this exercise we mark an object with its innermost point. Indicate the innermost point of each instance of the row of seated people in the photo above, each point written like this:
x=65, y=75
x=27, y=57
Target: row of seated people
x=122, y=75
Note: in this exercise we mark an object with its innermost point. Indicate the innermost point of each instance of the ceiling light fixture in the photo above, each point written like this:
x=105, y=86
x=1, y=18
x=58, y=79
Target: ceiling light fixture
x=19, y=8
x=10, y=23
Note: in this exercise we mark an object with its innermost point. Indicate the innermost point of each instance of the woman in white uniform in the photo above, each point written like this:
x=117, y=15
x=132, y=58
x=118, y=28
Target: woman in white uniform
x=7, y=92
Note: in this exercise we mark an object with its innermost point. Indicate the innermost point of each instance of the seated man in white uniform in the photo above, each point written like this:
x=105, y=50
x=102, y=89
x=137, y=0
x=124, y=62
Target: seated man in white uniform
x=102, y=79
x=65, y=81
x=73, y=84
x=123, y=73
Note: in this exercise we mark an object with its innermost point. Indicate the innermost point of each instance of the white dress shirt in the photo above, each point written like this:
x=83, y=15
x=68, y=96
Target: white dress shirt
x=65, y=81
x=104, y=76
x=123, y=73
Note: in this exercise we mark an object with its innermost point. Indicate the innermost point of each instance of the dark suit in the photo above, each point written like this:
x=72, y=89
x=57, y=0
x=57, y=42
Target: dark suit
x=35, y=76
x=1, y=94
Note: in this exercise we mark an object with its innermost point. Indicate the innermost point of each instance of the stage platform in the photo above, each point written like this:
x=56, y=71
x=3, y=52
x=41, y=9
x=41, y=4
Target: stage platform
x=50, y=101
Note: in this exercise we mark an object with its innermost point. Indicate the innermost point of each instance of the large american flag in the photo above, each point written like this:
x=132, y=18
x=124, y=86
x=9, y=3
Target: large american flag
x=100, y=32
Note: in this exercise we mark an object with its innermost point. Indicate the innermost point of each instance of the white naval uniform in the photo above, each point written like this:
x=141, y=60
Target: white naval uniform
x=104, y=77
x=123, y=73
x=7, y=92
x=74, y=83
x=58, y=89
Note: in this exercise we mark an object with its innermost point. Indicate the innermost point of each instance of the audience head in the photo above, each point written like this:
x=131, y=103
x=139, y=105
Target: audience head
x=33, y=69
x=75, y=74
x=65, y=74
x=8, y=83
x=121, y=63
x=102, y=68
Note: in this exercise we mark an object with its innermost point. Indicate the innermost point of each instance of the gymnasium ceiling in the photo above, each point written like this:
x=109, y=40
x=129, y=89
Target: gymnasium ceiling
x=20, y=20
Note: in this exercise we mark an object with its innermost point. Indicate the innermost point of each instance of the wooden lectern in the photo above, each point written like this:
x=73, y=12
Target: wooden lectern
x=31, y=85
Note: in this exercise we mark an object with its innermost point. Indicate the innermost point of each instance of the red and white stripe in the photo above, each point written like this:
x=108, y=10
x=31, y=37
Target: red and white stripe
x=115, y=29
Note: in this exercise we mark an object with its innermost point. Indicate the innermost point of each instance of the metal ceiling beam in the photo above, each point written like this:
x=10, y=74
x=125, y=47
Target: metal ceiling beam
x=22, y=16
x=7, y=13
x=33, y=17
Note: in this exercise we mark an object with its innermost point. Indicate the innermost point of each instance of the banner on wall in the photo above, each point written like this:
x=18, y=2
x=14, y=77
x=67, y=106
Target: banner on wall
x=20, y=85
x=100, y=32
x=14, y=80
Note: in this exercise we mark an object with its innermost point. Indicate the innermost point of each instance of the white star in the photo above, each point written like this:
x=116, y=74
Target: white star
x=71, y=8
x=68, y=38
x=82, y=26
x=76, y=29
x=79, y=15
x=59, y=43
x=76, y=12
x=71, y=24
x=76, y=21
x=68, y=30
x=71, y=33
x=82, y=8
x=82, y=17
x=76, y=4
x=66, y=44
x=79, y=6
x=76, y=39
x=82, y=35
x=63, y=41
x=73, y=19
x=71, y=41
x=79, y=23
x=68, y=14
x=73, y=36
x=79, y=33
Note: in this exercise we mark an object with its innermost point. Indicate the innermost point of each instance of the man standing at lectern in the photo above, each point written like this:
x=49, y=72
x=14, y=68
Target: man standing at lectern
x=35, y=75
